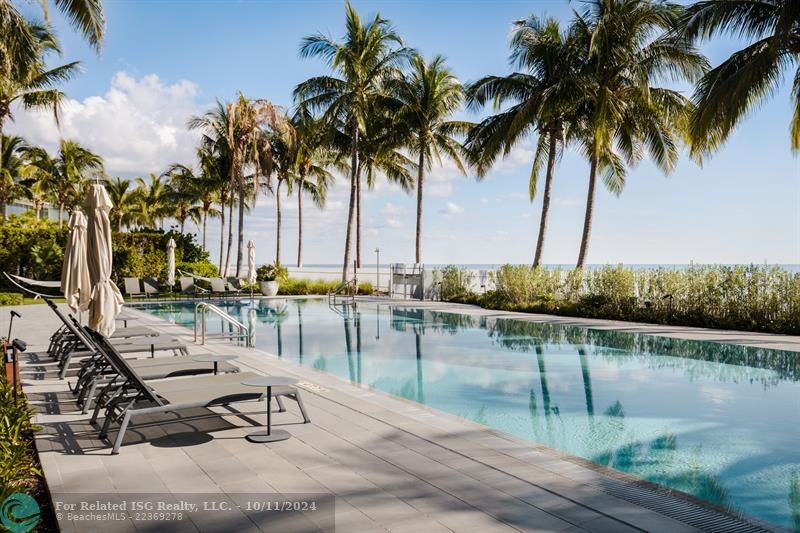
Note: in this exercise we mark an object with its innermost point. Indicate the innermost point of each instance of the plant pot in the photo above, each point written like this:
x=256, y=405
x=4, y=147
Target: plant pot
x=268, y=288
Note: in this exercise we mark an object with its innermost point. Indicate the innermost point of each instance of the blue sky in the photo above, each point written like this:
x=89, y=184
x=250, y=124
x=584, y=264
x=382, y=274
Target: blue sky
x=165, y=61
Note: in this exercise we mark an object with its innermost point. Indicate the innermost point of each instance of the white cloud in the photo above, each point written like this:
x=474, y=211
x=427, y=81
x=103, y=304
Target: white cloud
x=484, y=200
x=393, y=223
x=137, y=126
x=452, y=209
x=392, y=209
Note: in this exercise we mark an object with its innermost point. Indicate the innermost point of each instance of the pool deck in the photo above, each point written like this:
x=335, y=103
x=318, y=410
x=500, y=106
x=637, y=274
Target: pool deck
x=391, y=464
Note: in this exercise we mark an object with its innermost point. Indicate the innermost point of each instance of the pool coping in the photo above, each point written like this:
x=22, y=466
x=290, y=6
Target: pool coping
x=655, y=491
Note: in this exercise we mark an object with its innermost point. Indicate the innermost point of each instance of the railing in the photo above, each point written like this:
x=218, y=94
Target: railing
x=352, y=284
x=242, y=331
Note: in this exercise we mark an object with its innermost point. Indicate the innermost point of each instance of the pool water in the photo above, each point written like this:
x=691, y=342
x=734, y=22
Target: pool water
x=718, y=421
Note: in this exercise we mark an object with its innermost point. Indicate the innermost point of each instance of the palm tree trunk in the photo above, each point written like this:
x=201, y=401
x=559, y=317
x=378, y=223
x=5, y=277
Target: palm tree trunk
x=183, y=225
x=358, y=219
x=351, y=208
x=60, y=213
x=420, y=178
x=230, y=234
x=221, y=236
x=278, y=222
x=3, y=206
x=240, y=244
x=300, y=223
x=548, y=187
x=587, y=221
x=205, y=227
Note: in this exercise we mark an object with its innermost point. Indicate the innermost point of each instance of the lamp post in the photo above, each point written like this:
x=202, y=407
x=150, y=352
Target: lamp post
x=378, y=269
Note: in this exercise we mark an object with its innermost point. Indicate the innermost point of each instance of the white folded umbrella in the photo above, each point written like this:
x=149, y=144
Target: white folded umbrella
x=75, y=282
x=171, y=262
x=251, y=262
x=106, y=301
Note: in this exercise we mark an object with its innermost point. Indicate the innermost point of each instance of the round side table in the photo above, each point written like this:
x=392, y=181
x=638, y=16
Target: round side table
x=213, y=358
x=269, y=435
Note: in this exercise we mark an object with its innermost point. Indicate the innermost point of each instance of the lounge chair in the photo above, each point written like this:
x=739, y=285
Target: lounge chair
x=150, y=287
x=74, y=347
x=130, y=396
x=133, y=287
x=235, y=285
x=97, y=371
x=188, y=286
x=218, y=286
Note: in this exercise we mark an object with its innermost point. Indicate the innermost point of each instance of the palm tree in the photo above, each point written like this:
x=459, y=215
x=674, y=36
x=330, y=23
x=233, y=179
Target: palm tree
x=380, y=152
x=629, y=45
x=155, y=202
x=543, y=94
x=368, y=55
x=727, y=93
x=202, y=187
x=13, y=162
x=65, y=174
x=125, y=203
x=236, y=131
x=30, y=83
x=429, y=95
x=17, y=42
x=311, y=175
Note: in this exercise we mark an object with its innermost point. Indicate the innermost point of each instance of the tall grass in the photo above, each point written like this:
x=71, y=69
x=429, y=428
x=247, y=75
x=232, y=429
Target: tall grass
x=752, y=298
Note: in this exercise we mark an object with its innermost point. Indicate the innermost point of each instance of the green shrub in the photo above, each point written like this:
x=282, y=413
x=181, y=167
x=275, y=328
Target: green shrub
x=10, y=298
x=272, y=272
x=304, y=286
x=751, y=298
x=455, y=282
x=204, y=269
x=19, y=468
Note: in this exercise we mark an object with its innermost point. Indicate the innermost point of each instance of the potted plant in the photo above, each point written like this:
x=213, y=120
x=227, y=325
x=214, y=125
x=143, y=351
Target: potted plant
x=269, y=278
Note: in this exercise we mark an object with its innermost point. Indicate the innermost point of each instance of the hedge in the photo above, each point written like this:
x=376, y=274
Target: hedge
x=34, y=249
x=748, y=298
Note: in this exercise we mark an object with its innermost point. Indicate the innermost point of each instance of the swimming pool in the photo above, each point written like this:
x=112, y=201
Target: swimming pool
x=718, y=421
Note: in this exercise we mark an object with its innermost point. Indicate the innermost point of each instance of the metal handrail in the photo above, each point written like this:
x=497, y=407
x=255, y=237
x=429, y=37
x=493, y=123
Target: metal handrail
x=204, y=307
x=344, y=285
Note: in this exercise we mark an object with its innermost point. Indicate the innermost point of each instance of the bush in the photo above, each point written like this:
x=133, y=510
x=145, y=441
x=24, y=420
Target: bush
x=303, y=286
x=751, y=298
x=274, y=272
x=204, y=269
x=19, y=468
x=454, y=282
x=10, y=298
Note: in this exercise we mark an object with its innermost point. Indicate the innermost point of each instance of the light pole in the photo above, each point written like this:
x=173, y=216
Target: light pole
x=378, y=269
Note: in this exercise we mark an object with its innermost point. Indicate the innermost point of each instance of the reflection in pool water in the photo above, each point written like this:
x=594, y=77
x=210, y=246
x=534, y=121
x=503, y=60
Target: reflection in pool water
x=718, y=421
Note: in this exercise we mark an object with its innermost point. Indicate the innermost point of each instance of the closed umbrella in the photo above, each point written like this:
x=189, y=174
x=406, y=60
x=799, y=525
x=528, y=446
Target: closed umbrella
x=251, y=262
x=106, y=301
x=75, y=283
x=171, y=262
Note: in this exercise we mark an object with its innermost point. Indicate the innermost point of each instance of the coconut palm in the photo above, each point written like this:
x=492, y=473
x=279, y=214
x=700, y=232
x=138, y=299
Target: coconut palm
x=125, y=201
x=31, y=84
x=236, y=131
x=65, y=174
x=429, y=95
x=727, y=93
x=154, y=199
x=380, y=153
x=542, y=96
x=368, y=55
x=202, y=187
x=14, y=162
x=629, y=46
x=16, y=42
x=311, y=175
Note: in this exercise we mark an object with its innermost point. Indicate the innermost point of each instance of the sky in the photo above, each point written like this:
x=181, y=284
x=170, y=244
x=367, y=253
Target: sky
x=165, y=61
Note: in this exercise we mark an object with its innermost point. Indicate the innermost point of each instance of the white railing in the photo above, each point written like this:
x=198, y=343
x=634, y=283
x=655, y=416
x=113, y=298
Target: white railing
x=242, y=331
